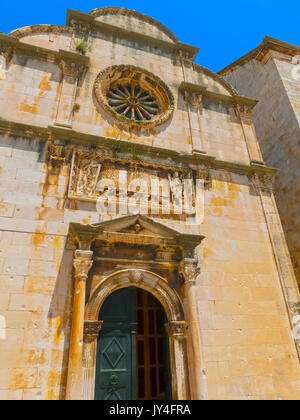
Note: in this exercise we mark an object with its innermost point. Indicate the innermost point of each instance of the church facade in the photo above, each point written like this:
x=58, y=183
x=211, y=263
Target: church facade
x=141, y=251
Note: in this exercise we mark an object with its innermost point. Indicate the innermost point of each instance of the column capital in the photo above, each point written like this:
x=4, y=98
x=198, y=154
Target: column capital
x=245, y=111
x=177, y=329
x=190, y=271
x=71, y=69
x=264, y=182
x=91, y=330
x=82, y=264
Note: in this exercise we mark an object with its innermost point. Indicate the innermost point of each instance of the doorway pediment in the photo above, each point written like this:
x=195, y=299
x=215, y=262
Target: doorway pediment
x=131, y=229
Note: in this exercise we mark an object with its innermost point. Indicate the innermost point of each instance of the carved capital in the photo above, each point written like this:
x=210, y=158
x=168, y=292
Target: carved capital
x=82, y=264
x=192, y=98
x=177, y=329
x=185, y=57
x=58, y=154
x=295, y=308
x=91, y=330
x=71, y=69
x=264, y=182
x=189, y=270
x=245, y=111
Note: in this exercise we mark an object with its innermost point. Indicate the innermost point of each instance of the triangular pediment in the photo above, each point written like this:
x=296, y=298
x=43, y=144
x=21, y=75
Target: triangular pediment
x=138, y=225
x=134, y=226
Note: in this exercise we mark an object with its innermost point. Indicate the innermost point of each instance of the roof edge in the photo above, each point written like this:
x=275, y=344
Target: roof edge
x=259, y=53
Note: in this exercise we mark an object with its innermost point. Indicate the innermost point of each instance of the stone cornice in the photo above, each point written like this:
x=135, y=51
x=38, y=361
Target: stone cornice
x=163, y=156
x=37, y=29
x=41, y=53
x=258, y=53
x=176, y=46
x=217, y=97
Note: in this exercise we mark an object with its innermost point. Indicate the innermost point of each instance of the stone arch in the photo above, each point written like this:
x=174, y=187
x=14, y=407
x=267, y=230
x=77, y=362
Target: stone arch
x=147, y=280
x=176, y=326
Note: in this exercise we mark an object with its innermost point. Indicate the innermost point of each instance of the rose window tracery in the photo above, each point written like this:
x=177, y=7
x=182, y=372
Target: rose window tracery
x=133, y=102
x=134, y=96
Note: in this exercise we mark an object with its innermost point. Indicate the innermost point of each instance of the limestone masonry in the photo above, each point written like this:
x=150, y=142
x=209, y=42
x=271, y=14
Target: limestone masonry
x=125, y=166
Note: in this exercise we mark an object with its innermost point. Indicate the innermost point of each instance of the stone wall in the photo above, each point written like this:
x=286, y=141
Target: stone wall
x=276, y=120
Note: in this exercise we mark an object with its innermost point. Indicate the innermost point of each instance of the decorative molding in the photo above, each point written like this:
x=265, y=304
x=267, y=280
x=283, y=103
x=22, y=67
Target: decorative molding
x=190, y=91
x=136, y=276
x=107, y=231
x=264, y=182
x=177, y=329
x=71, y=68
x=37, y=29
x=165, y=157
x=189, y=270
x=91, y=330
x=82, y=264
x=85, y=171
x=59, y=155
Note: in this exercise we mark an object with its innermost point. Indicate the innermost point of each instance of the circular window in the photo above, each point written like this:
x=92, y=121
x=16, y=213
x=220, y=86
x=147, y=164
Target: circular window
x=134, y=96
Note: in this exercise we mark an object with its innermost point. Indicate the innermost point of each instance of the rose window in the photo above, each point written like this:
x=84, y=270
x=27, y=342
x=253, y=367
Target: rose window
x=133, y=102
x=134, y=96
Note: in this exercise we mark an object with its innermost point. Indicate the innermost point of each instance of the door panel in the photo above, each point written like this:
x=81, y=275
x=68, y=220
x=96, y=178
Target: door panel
x=132, y=352
x=116, y=366
x=153, y=370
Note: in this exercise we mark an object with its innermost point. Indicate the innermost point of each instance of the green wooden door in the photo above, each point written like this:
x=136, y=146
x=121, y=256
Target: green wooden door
x=116, y=354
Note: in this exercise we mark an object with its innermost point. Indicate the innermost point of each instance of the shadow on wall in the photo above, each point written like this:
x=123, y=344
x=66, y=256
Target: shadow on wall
x=59, y=318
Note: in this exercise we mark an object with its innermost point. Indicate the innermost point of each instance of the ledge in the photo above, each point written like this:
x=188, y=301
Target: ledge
x=164, y=157
x=259, y=53
x=217, y=97
x=41, y=53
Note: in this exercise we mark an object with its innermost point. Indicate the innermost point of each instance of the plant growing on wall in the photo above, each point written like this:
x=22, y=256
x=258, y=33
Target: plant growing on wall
x=81, y=47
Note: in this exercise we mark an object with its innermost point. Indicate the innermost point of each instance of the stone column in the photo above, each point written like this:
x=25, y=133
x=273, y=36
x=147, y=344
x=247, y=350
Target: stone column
x=193, y=102
x=288, y=282
x=177, y=339
x=245, y=113
x=91, y=332
x=71, y=72
x=190, y=271
x=82, y=264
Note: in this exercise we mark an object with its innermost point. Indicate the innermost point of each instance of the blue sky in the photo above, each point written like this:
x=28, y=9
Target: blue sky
x=223, y=30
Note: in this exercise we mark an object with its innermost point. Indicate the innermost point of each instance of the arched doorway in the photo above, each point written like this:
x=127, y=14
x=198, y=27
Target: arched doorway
x=176, y=326
x=133, y=361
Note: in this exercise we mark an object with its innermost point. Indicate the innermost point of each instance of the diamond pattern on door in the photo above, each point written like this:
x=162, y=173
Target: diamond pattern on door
x=113, y=352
